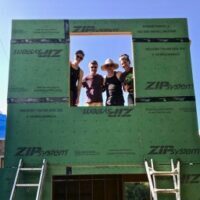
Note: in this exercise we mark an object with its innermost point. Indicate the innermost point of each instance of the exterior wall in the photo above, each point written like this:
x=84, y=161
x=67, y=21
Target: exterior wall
x=41, y=124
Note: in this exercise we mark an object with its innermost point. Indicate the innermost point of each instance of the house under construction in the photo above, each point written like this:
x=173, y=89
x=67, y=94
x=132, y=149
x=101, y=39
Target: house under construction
x=55, y=152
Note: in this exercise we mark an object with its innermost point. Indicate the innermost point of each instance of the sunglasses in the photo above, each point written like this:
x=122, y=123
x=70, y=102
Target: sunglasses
x=79, y=57
x=93, y=67
x=109, y=65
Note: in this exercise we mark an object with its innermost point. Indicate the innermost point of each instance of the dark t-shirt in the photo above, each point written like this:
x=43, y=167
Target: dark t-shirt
x=74, y=76
x=74, y=73
x=94, y=88
x=114, y=92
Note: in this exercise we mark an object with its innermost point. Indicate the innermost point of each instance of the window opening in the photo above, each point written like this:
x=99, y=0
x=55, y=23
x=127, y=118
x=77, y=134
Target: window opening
x=94, y=54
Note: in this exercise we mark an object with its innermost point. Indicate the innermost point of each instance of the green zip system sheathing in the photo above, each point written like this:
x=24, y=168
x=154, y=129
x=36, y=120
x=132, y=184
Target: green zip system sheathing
x=100, y=140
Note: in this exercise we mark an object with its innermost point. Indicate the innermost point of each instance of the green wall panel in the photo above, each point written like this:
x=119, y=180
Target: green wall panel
x=104, y=140
x=148, y=28
x=39, y=29
x=38, y=70
x=163, y=69
x=158, y=130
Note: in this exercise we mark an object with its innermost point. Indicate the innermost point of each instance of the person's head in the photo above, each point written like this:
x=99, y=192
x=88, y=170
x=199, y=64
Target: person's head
x=109, y=65
x=93, y=66
x=125, y=61
x=79, y=55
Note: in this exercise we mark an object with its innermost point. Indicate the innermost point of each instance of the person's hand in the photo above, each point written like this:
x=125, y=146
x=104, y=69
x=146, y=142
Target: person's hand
x=77, y=101
x=84, y=84
x=126, y=87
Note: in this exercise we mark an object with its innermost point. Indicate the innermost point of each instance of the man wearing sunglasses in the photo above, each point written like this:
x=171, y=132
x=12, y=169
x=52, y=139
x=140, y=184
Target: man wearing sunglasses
x=76, y=75
x=94, y=85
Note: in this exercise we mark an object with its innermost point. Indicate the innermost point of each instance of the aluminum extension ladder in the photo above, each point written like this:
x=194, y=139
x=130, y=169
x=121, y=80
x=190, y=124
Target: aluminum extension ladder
x=152, y=173
x=39, y=185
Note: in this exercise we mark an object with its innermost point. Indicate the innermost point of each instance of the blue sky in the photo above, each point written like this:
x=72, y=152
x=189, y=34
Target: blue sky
x=90, y=9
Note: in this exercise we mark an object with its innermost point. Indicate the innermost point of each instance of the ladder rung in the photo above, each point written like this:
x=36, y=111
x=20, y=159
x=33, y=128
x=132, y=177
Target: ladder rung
x=166, y=190
x=27, y=185
x=166, y=173
x=30, y=169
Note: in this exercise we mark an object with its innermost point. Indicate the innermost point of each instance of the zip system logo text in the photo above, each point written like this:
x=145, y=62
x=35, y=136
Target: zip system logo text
x=39, y=52
x=172, y=150
x=166, y=85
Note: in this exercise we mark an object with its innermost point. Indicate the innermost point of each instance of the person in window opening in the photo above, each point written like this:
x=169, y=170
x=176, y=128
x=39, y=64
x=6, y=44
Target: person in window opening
x=76, y=75
x=94, y=85
x=127, y=77
x=112, y=84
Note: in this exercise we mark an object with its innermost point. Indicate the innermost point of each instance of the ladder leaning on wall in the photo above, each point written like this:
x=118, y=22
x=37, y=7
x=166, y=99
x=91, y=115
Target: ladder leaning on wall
x=152, y=174
x=38, y=185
